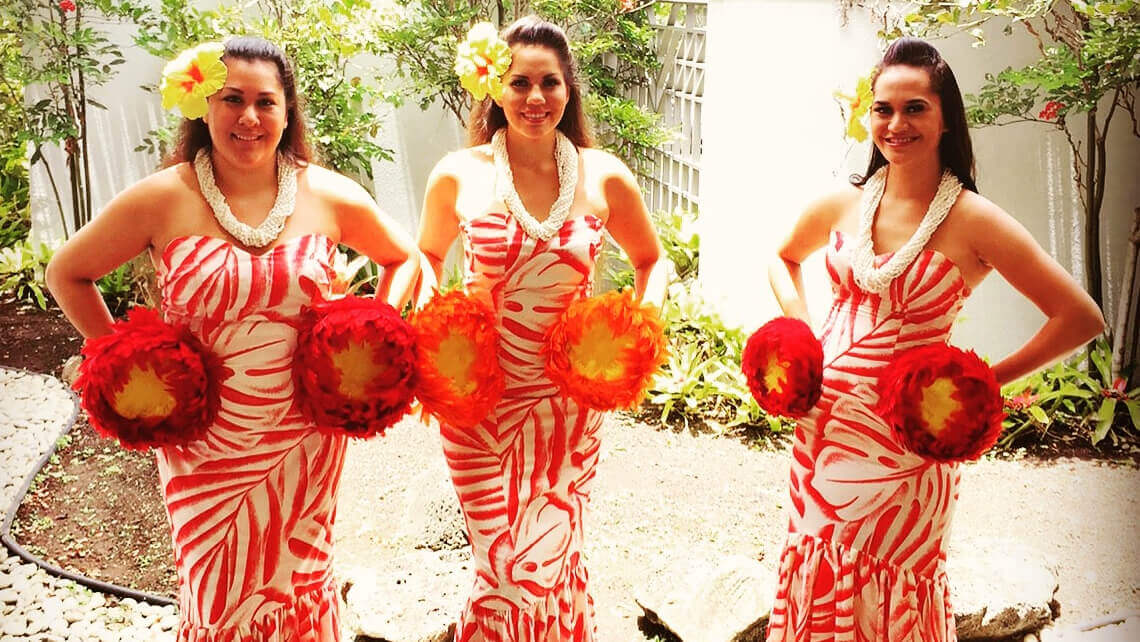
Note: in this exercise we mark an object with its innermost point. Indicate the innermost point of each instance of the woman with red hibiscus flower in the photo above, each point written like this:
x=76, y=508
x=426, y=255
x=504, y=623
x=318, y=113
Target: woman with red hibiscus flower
x=906, y=244
x=531, y=200
x=243, y=231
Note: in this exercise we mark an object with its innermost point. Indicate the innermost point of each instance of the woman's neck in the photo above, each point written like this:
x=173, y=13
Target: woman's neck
x=917, y=181
x=531, y=152
x=237, y=181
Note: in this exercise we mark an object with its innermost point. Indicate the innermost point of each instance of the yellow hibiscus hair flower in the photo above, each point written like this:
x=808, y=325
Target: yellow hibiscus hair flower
x=482, y=60
x=858, y=106
x=191, y=77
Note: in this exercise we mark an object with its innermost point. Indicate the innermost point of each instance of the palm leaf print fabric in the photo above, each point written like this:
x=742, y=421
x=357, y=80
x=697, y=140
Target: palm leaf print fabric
x=523, y=475
x=251, y=506
x=865, y=555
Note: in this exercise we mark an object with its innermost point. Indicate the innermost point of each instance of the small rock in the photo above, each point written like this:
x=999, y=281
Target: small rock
x=415, y=599
x=710, y=599
x=999, y=588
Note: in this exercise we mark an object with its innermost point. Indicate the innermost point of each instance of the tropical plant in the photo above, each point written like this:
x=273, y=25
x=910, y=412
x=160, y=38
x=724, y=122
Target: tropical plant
x=1070, y=397
x=132, y=283
x=613, y=47
x=332, y=46
x=1087, y=72
x=22, y=268
x=64, y=55
x=14, y=218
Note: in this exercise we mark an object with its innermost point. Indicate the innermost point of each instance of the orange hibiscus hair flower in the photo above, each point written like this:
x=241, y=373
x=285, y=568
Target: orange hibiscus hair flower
x=941, y=402
x=460, y=379
x=354, y=367
x=783, y=362
x=149, y=384
x=605, y=349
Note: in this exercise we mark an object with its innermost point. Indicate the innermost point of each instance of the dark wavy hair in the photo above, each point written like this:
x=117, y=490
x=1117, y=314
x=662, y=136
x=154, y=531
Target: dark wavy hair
x=194, y=134
x=487, y=117
x=954, y=150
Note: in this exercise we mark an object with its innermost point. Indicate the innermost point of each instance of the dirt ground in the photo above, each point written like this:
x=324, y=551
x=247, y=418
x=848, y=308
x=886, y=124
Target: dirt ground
x=660, y=494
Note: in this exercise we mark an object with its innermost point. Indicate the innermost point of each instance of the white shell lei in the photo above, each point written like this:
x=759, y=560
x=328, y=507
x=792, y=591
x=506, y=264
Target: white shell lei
x=878, y=279
x=271, y=227
x=566, y=159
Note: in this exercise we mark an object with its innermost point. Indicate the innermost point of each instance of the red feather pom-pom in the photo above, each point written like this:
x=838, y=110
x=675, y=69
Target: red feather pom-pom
x=460, y=379
x=149, y=384
x=783, y=362
x=941, y=402
x=354, y=367
x=605, y=349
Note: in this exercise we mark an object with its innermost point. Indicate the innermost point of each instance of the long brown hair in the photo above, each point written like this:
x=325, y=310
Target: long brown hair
x=954, y=150
x=487, y=117
x=194, y=134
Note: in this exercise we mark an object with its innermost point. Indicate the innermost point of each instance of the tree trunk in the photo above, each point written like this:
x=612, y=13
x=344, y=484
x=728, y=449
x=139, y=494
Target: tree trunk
x=1093, y=176
x=1125, y=308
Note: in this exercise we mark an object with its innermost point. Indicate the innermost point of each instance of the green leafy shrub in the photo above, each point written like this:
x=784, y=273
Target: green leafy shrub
x=22, y=269
x=132, y=283
x=1069, y=397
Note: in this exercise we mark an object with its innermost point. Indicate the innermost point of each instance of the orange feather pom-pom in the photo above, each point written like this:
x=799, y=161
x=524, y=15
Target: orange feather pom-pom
x=354, y=367
x=149, y=384
x=460, y=379
x=941, y=402
x=604, y=350
x=783, y=362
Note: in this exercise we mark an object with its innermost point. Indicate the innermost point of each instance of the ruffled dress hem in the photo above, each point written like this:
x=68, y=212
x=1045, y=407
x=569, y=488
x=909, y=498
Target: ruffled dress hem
x=311, y=617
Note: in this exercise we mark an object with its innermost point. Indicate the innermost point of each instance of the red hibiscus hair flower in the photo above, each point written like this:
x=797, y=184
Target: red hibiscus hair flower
x=783, y=362
x=460, y=379
x=941, y=402
x=149, y=384
x=354, y=367
x=604, y=350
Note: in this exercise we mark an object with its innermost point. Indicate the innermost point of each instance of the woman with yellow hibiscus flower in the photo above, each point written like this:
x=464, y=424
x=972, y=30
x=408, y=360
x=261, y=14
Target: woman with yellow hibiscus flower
x=531, y=199
x=242, y=228
x=906, y=244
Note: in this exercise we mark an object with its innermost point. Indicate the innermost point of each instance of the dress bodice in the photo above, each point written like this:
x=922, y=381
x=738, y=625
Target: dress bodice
x=530, y=283
x=918, y=308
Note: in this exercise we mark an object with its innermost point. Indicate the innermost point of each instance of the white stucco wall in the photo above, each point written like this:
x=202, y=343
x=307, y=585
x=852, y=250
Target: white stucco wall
x=773, y=141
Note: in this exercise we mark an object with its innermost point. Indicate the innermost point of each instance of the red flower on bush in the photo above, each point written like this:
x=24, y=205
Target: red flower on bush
x=66, y=5
x=149, y=384
x=1020, y=402
x=460, y=379
x=1052, y=108
x=941, y=402
x=354, y=367
x=605, y=349
x=783, y=362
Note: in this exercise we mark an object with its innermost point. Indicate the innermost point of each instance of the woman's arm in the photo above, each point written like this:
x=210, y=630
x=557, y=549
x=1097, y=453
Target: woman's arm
x=810, y=233
x=367, y=229
x=1072, y=317
x=439, y=224
x=630, y=226
x=124, y=228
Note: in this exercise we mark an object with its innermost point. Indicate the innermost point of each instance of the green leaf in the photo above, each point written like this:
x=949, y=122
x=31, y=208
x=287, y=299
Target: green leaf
x=1104, y=419
x=1039, y=415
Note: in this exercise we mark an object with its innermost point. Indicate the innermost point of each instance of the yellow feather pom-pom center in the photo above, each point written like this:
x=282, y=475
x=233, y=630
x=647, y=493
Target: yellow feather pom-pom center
x=144, y=396
x=597, y=355
x=454, y=359
x=938, y=404
x=775, y=374
x=356, y=364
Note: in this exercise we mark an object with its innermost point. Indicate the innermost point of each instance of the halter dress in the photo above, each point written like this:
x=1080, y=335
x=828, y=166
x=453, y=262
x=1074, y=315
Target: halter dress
x=865, y=554
x=523, y=475
x=251, y=505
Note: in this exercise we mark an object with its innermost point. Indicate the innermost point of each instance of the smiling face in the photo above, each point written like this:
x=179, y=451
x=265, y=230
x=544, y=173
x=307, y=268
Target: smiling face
x=249, y=114
x=906, y=115
x=535, y=93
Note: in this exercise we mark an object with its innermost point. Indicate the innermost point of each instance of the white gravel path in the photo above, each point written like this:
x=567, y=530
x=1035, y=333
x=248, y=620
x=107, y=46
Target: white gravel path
x=34, y=409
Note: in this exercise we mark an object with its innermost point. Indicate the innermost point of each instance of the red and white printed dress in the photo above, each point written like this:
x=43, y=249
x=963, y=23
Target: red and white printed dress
x=251, y=506
x=865, y=556
x=523, y=475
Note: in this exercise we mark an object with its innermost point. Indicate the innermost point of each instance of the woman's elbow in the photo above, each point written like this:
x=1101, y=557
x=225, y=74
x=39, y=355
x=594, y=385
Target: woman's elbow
x=1092, y=321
